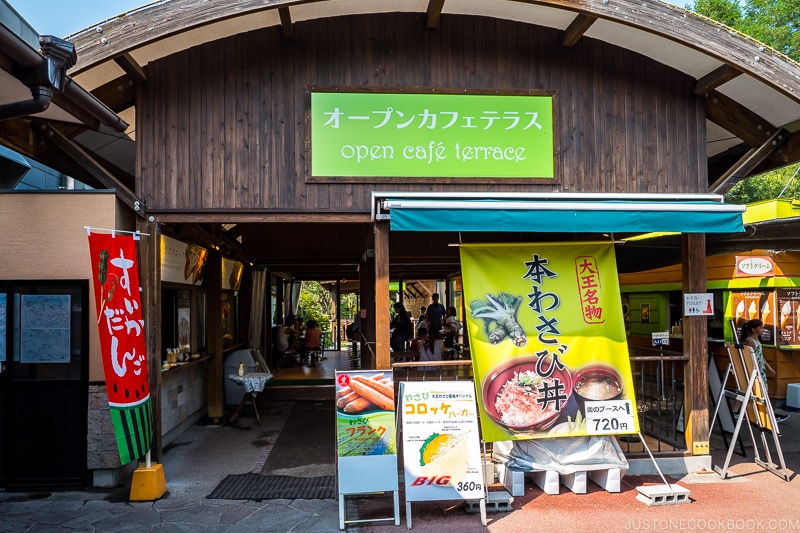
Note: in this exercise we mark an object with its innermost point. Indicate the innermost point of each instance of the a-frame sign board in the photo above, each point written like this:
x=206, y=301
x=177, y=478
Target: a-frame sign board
x=756, y=409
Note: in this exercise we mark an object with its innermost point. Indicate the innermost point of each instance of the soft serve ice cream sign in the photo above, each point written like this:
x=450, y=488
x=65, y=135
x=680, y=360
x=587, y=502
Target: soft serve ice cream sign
x=754, y=266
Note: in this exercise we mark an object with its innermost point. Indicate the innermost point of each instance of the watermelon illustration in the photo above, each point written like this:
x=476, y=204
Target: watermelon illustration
x=120, y=324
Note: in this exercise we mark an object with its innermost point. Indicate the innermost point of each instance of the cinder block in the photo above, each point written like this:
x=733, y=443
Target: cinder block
x=496, y=502
x=654, y=495
x=609, y=479
x=576, y=482
x=512, y=480
x=547, y=480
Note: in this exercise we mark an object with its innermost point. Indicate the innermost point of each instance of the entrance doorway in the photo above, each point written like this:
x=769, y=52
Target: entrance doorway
x=44, y=384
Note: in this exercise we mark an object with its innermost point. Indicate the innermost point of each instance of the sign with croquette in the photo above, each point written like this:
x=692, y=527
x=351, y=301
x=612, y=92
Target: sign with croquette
x=441, y=442
x=546, y=330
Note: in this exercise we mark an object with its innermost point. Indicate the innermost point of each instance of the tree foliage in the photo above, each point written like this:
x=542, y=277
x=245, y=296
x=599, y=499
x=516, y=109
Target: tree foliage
x=776, y=24
x=780, y=183
x=772, y=22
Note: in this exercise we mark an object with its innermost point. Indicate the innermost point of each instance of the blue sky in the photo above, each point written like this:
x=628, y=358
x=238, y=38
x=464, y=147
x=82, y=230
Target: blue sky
x=63, y=17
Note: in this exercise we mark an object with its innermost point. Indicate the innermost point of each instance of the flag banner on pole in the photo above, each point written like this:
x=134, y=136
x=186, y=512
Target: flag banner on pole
x=119, y=319
x=547, y=338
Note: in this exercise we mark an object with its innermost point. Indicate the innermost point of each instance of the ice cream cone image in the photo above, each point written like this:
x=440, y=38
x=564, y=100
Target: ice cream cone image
x=752, y=310
x=739, y=313
x=786, y=312
x=765, y=311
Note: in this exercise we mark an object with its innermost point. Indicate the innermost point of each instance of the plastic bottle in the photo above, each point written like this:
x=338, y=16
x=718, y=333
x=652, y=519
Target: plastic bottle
x=241, y=368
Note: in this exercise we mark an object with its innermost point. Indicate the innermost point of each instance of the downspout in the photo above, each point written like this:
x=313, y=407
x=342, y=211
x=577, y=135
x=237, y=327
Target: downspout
x=40, y=101
x=43, y=78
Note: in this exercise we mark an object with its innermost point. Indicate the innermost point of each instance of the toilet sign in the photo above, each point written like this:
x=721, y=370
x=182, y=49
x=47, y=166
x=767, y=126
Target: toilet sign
x=699, y=304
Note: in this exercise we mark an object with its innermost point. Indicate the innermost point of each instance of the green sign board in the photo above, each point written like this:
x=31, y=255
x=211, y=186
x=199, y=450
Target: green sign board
x=431, y=135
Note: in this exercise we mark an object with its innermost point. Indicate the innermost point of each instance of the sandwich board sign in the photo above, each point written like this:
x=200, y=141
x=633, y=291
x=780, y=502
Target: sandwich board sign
x=366, y=440
x=441, y=442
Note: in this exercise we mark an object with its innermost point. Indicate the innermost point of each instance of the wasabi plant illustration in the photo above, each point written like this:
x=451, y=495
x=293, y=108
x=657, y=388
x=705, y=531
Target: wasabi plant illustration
x=499, y=315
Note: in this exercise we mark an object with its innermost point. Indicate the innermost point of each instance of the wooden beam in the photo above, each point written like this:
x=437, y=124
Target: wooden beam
x=382, y=318
x=747, y=163
x=695, y=345
x=434, y=13
x=118, y=94
x=714, y=79
x=579, y=26
x=150, y=280
x=286, y=22
x=131, y=67
x=76, y=153
x=745, y=124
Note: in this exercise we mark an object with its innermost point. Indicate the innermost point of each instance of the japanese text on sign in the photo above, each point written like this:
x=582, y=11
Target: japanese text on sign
x=609, y=417
x=435, y=135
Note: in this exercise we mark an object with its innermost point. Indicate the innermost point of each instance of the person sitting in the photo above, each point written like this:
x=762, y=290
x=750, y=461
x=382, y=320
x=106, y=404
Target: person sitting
x=402, y=329
x=313, y=343
x=287, y=337
x=421, y=322
x=430, y=348
x=452, y=327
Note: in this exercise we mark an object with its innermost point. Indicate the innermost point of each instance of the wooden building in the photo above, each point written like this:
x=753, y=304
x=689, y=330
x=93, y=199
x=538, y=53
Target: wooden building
x=649, y=102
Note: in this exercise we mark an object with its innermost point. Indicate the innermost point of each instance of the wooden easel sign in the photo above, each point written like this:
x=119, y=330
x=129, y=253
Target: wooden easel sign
x=756, y=409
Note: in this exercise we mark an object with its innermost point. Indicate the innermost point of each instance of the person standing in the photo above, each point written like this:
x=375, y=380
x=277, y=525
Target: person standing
x=751, y=331
x=402, y=328
x=434, y=315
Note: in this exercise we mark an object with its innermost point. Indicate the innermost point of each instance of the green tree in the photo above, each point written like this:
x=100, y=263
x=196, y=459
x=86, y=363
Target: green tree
x=775, y=23
x=728, y=12
x=315, y=303
x=772, y=22
x=780, y=183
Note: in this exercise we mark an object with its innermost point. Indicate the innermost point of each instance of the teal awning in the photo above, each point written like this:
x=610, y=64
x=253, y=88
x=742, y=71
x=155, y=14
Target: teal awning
x=583, y=214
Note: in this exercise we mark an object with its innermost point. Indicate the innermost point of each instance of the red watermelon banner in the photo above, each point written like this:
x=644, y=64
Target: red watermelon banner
x=119, y=319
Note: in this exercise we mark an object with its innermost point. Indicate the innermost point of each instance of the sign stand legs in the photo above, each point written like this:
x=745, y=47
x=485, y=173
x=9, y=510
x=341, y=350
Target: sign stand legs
x=343, y=512
x=749, y=393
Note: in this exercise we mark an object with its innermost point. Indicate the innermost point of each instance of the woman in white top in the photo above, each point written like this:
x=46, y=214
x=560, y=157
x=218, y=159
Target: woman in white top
x=430, y=347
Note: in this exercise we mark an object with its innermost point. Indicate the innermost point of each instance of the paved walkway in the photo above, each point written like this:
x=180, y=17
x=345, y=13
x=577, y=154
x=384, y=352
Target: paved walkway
x=750, y=500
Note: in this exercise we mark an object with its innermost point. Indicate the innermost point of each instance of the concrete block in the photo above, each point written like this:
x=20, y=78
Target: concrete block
x=547, y=480
x=496, y=502
x=512, y=480
x=654, y=495
x=609, y=479
x=576, y=482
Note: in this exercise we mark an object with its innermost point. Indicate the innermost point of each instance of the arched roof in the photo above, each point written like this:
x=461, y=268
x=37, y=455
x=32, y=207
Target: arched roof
x=753, y=91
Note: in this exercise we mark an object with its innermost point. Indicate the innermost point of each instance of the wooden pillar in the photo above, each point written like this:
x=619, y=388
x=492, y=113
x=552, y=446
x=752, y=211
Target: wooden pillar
x=366, y=279
x=150, y=279
x=213, y=280
x=382, y=320
x=695, y=345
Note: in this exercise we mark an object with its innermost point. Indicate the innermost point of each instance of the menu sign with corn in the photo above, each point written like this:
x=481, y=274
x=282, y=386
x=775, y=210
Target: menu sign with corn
x=441, y=443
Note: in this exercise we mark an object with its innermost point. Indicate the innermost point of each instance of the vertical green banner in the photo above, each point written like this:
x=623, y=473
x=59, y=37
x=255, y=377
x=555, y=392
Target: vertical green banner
x=431, y=135
x=548, y=342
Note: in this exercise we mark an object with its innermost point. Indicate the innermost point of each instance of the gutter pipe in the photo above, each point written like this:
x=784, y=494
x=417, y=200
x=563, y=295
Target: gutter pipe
x=45, y=74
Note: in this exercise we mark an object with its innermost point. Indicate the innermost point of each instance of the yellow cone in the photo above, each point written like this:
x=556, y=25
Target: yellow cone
x=148, y=483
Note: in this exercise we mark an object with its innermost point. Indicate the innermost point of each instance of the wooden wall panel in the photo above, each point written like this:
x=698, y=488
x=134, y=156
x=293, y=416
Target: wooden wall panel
x=223, y=126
